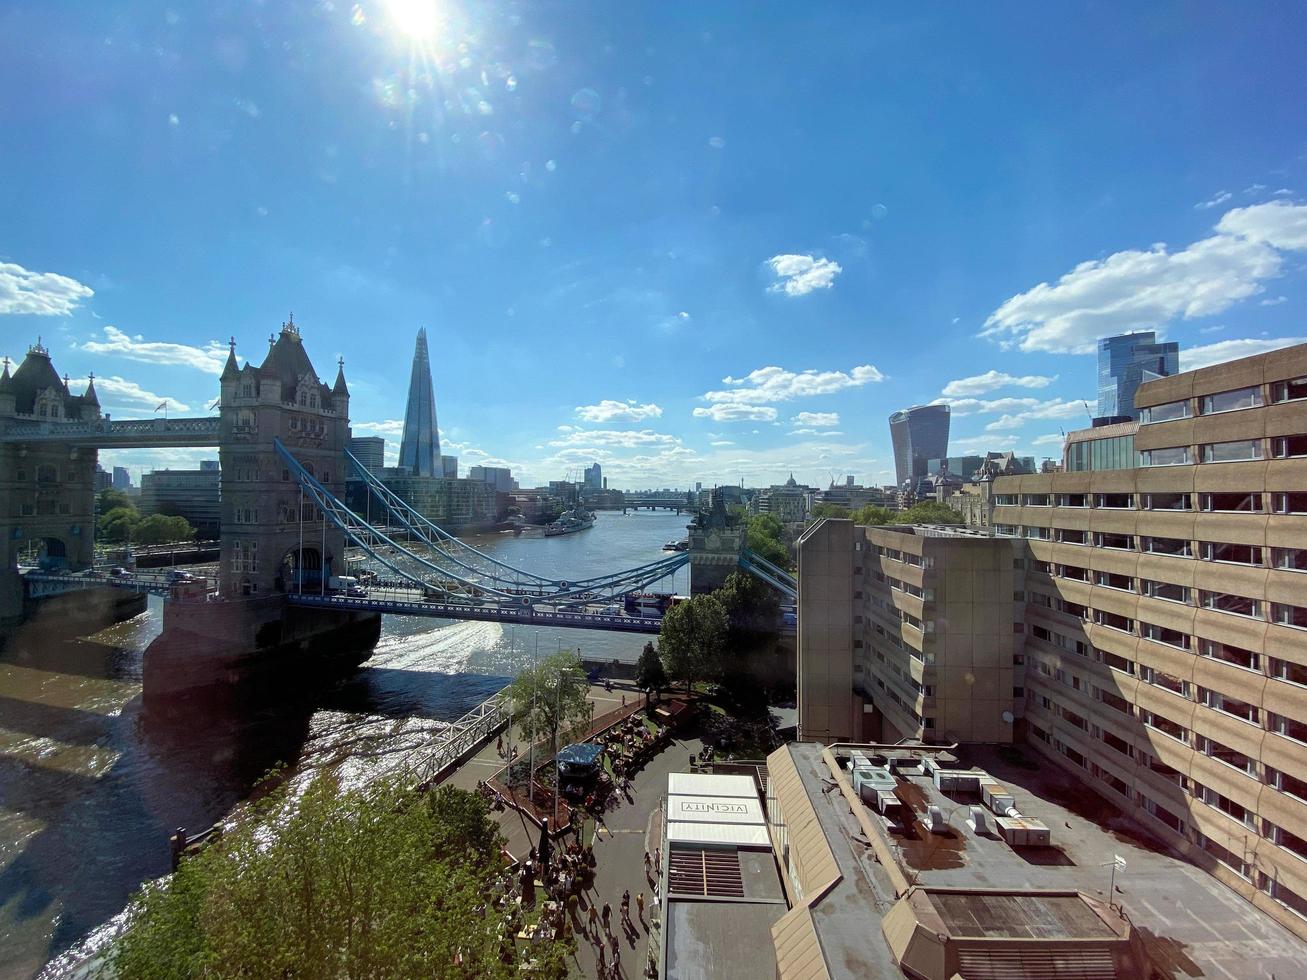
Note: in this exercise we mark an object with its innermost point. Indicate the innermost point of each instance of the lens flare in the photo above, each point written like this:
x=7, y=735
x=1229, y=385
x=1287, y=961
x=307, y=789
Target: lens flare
x=417, y=19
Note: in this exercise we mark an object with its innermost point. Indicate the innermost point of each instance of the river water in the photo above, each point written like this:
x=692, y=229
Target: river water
x=90, y=788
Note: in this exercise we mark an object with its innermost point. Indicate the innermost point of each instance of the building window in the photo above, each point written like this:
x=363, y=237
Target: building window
x=1160, y=634
x=1116, y=663
x=1073, y=500
x=1286, y=783
x=1231, y=401
x=1039, y=533
x=1223, y=753
x=1222, y=854
x=1232, y=502
x=1239, y=554
x=1111, y=580
x=1159, y=678
x=1290, y=503
x=1166, y=456
x=1290, y=446
x=1227, y=806
x=1165, y=725
x=1167, y=501
x=1230, y=706
x=1115, y=501
x=1237, y=656
x=1037, y=499
x=1107, y=539
x=1067, y=536
x=1289, y=391
x=1287, y=670
x=1232, y=452
x=1113, y=621
x=1289, y=559
x=1287, y=727
x=1225, y=602
x=1164, y=590
x=1287, y=615
x=1073, y=572
x=1164, y=413
x=1177, y=547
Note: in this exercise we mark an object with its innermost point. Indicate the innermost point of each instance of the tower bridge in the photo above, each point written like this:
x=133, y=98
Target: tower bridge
x=281, y=434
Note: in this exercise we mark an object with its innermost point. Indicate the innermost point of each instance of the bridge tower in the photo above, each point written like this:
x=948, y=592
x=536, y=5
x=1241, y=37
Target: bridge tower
x=266, y=548
x=716, y=539
x=47, y=490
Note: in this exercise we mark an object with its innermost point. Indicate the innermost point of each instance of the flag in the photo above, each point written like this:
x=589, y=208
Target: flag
x=1119, y=861
x=162, y=404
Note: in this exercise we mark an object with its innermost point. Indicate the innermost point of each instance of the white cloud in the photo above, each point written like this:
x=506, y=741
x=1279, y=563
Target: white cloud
x=115, y=392
x=1216, y=200
x=613, y=437
x=609, y=410
x=750, y=397
x=210, y=358
x=1274, y=302
x=983, y=443
x=978, y=406
x=736, y=412
x=721, y=442
x=1193, y=358
x=798, y=275
x=39, y=293
x=1136, y=290
x=389, y=427
x=818, y=419
x=1214, y=328
x=1282, y=192
x=978, y=384
x=1055, y=408
x=1052, y=439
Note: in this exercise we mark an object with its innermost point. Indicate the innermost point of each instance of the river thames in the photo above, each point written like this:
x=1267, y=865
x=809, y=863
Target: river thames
x=90, y=788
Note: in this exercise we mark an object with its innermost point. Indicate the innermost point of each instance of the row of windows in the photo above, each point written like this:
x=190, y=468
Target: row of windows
x=1280, y=613
x=1226, y=401
x=1287, y=559
x=1241, y=450
x=1291, y=558
x=1239, y=502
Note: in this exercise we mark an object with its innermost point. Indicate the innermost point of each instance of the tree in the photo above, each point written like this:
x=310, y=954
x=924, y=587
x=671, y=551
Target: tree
x=551, y=697
x=118, y=524
x=929, y=512
x=752, y=606
x=161, y=529
x=692, y=639
x=763, y=536
x=649, y=674
x=829, y=510
x=335, y=882
x=109, y=498
x=872, y=514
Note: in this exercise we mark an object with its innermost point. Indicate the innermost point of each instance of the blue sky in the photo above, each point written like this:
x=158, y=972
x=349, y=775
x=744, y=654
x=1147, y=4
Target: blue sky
x=713, y=242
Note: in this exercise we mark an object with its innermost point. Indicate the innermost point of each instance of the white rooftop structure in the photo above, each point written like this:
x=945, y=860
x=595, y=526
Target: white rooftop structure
x=709, y=784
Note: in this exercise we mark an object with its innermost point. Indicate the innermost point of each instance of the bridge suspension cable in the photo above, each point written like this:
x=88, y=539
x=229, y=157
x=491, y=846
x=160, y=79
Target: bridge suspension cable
x=455, y=579
x=770, y=573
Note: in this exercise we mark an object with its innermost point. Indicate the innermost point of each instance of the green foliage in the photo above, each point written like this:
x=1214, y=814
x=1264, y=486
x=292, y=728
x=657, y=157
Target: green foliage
x=871, y=514
x=109, y=498
x=117, y=524
x=693, y=639
x=161, y=529
x=334, y=884
x=649, y=674
x=929, y=512
x=764, y=538
x=551, y=697
x=829, y=510
x=752, y=606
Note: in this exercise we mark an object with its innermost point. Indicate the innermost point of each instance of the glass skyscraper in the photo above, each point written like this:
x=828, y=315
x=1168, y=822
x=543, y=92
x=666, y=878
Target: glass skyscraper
x=1126, y=361
x=419, y=451
x=919, y=434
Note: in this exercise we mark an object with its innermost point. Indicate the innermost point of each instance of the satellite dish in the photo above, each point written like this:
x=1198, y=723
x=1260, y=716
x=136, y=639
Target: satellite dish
x=1008, y=717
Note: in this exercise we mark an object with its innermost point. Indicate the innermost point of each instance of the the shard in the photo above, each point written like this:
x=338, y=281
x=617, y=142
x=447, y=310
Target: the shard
x=419, y=450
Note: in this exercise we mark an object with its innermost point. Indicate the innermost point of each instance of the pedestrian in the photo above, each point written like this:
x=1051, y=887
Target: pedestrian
x=499, y=746
x=608, y=915
x=592, y=917
x=639, y=904
x=626, y=905
x=648, y=863
x=603, y=958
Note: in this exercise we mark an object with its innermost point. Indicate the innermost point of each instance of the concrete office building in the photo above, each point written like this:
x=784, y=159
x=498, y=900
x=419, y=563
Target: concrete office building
x=499, y=477
x=449, y=467
x=919, y=434
x=594, y=477
x=1124, y=363
x=192, y=494
x=907, y=632
x=1166, y=625
x=788, y=501
x=370, y=451
x=122, y=480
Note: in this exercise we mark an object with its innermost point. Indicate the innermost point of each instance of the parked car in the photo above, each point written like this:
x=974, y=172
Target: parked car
x=117, y=571
x=179, y=575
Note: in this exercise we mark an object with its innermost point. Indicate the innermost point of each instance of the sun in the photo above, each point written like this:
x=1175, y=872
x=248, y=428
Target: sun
x=417, y=19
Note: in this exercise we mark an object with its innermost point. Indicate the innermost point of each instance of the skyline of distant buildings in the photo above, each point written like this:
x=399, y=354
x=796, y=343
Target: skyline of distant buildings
x=918, y=434
x=1124, y=362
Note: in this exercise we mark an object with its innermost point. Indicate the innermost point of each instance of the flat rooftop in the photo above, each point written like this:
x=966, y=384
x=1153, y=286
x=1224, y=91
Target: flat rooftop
x=1016, y=916
x=1190, y=923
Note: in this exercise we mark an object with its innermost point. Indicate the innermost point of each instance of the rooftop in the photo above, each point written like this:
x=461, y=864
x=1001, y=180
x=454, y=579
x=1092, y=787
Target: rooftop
x=1189, y=923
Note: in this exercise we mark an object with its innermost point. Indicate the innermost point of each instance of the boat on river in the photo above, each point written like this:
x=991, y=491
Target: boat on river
x=570, y=521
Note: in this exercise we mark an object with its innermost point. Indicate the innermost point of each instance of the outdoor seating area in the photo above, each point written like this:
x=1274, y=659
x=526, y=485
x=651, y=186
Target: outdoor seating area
x=631, y=743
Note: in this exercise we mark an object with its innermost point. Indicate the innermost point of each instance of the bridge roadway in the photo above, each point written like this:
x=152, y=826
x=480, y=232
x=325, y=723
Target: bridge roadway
x=411, y=602
x=108, y=434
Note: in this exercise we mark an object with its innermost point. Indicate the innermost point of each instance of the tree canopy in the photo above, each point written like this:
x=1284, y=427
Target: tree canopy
x=929, y=512
x=120, y=521
x=551, y=697
x=752, y=606
x=382, y=883
x=693, y=639
x=828, y=510
x=649, y=674
x=763, y=536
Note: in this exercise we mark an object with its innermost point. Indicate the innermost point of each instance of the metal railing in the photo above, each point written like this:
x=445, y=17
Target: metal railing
x=463, y=736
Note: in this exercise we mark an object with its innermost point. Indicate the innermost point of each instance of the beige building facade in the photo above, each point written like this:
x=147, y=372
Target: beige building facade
x=1166, y=622
x=908, y=632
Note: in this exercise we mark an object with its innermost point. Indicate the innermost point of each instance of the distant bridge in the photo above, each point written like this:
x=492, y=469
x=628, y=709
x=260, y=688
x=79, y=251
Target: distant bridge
x=107, y=434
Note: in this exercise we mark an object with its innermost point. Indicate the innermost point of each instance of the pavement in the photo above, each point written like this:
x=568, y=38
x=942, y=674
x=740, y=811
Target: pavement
x=620, y=839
